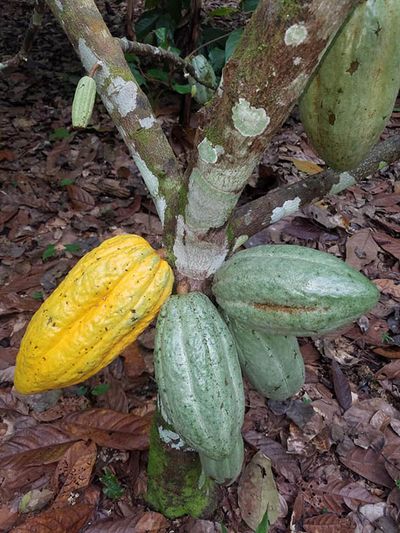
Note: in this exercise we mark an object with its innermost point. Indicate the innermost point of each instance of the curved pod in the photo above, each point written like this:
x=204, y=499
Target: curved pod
x=198, y=374
x=226, y=470
x=272, y=363
x=349, y=100
x=292, y=290
x=103, y=304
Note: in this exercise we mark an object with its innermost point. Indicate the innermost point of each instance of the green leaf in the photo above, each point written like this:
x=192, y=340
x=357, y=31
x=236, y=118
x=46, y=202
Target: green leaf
x=66, y=181
x=37, y=295
x=81, y=390
x=137, y=74
x=223, y=529
x=263, y=526
x=146, y=23
x=182, y=89
x=59, y=133
x=249, y=5
x=222, y=12
x=216, y=57
x=72, y=248
x=232, y=42
x=397, y=483
x=162, y=35
x=98, y=390
x=158, y=74
x=50, y=251
x=112, y=488
x=382, y=165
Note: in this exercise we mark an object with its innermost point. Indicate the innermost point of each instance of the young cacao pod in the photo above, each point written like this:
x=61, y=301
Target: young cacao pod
x=272, y=363
x=292, y=290
x=198, y=374
x=349, y=100
x=83, y=103
x=204, y=72
x=107, y=299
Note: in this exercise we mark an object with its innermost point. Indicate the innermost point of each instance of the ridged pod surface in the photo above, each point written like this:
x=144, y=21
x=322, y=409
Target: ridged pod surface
x=204, y=72
x=198, y=374
x=82, y=105
x=103, y=304
x=292, y=290
x=272, y=363
x=226, y=470
x=349, y=100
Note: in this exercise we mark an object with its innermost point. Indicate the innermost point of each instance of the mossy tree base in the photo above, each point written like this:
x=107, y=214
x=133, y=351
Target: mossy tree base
x=176, y=486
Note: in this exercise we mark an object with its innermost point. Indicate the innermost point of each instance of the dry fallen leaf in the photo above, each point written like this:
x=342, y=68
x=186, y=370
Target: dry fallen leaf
x=328, y=523
x=388, y=286
x=257, y=492
x=306, y=166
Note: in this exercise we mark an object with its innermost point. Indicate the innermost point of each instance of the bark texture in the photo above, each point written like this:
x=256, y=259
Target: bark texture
x=176, y=485
x=280, y=48
x=283, y=201
x=124, y=100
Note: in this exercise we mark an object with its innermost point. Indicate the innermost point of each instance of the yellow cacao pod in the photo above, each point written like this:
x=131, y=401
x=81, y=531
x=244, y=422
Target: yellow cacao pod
x=103, y=304
x=83, y=103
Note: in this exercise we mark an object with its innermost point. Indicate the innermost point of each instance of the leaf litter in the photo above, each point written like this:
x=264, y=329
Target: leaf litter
x=330, y=456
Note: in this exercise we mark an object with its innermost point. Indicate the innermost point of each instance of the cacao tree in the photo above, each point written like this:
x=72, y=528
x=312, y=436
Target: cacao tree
x=280, y=48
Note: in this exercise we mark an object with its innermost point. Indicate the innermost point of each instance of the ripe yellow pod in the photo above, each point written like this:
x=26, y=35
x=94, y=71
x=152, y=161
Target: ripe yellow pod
x=104, y=303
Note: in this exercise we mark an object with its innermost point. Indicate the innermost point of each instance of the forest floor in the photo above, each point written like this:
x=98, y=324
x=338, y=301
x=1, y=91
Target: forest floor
x=69, y=460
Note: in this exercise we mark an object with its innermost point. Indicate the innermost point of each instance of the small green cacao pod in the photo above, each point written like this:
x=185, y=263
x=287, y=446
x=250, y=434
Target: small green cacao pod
x=226, y=470
x=82, y=106
x=292, y=290
x=272, y=363
x=204, y=72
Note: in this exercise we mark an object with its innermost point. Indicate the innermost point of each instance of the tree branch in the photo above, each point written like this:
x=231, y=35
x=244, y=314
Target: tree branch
x=124, y=100
x=29, y=38
x=280, y=48
x=257, y=215
x=147, y=50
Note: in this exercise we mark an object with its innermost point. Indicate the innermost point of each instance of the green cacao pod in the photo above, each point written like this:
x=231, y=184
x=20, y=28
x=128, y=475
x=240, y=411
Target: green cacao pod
x=82, y=106
x=349, y=100
x=204, y=72
x=198, y=374
x=292, y=290
x=226, y=470
x=272, y=363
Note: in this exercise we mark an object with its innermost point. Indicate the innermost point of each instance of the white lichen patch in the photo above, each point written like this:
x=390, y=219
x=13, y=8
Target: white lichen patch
x=345, y=180
x=152, y=185
x=289, y=207
x=147, y=122
x=88, y=57
x=171, y=438
x=196, y=258
x=59, y=5
x=297, y=61
x=249, y=121
x=122, y=94
x=209, y=152
x=296, y=34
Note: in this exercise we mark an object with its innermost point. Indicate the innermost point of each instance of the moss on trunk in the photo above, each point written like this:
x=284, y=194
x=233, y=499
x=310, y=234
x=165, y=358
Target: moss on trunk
x=176, y=485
